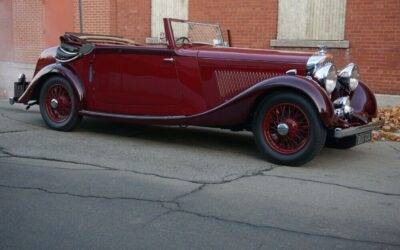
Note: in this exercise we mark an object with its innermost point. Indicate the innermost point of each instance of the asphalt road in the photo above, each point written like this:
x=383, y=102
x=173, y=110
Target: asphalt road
x=113, y=185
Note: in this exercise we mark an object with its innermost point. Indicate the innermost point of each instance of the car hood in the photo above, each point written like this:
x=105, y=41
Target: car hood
x=254, y=54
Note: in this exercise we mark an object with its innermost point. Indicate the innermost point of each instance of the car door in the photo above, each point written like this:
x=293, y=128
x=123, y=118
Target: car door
x=137, y=80
x=150, y=81
x=105, y=79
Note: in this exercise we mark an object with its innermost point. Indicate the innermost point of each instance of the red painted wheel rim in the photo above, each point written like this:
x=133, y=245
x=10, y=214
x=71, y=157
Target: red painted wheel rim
x=57, y=93
x=293, y=118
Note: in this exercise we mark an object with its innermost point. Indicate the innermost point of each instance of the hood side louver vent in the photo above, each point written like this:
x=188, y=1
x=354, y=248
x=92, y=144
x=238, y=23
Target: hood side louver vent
x=232, y=83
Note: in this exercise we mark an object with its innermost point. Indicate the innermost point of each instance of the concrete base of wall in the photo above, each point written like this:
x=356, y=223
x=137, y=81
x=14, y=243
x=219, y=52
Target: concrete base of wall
x=388, y=100
x=9, y=72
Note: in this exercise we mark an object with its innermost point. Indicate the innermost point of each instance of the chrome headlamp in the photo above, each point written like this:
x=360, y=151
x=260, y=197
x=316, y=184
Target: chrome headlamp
x=327, y=77
x=350, y=76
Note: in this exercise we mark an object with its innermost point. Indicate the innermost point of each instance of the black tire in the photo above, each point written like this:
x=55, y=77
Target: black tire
x=65, y=116
x=277, y=148
x=342, y=143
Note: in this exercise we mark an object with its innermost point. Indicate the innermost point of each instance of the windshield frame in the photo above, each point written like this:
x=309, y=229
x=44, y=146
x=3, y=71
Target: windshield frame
x=219, y=35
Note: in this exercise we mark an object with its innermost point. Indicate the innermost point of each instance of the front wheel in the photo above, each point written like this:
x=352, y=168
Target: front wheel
x=287, y=129
x=58, y=104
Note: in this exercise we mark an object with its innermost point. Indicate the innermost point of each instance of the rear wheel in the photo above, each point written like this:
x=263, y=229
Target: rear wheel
x=58, y=104
x=287, y=129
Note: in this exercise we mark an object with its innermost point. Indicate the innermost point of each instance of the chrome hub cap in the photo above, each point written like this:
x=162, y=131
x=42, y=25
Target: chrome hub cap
x=54, y=103
x=283, y=129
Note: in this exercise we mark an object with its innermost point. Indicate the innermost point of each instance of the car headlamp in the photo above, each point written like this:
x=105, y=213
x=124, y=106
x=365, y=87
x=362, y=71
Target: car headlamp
x=327, y=77
x=350, y=76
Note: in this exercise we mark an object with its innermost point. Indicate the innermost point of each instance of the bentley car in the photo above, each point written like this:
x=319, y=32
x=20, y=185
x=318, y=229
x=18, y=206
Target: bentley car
x=295, y=103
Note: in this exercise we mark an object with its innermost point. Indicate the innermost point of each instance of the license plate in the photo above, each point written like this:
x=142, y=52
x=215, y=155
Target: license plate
x=363, y=137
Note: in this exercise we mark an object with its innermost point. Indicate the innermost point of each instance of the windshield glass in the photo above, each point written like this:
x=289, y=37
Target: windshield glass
x=185, y=32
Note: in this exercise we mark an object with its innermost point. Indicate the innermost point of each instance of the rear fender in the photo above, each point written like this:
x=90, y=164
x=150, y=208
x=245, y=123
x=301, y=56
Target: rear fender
x=52, y=70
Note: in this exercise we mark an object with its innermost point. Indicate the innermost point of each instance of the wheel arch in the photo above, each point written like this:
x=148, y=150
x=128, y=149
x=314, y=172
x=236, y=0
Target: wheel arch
x=300, y=86
x=52, y=70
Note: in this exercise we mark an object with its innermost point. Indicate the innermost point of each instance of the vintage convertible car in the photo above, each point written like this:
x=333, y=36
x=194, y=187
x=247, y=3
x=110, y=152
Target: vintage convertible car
x=293, y=102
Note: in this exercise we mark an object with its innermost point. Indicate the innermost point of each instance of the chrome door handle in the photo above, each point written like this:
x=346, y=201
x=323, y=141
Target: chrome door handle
x=169, y=60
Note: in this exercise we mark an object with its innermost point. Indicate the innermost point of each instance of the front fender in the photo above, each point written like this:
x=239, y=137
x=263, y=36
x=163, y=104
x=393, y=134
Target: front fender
x=237, y=109
x=307, y=87
x=55, y=69
x=363, y=102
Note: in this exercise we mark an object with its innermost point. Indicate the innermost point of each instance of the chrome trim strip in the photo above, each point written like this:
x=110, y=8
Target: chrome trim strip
x=291, y=72
x=340, y=133
x=68, y=60
x=67, y=52
x=91, y=72
x=130, y=117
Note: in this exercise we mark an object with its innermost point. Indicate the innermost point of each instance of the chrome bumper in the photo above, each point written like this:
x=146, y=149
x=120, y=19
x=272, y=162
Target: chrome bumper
x=340, y=133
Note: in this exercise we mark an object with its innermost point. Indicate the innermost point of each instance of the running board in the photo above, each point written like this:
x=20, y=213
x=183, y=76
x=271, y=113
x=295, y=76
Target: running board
x=131, y=117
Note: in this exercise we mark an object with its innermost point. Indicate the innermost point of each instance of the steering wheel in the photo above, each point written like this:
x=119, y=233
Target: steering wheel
x=183, y=38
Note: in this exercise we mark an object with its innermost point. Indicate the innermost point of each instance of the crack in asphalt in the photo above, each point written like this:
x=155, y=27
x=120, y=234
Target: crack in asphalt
x=332, y=184
x=179, y=209
x=23, y=122
x=12, y=131
x=147, y=223
x=2, y=150
x=257, y=226
x=394, y=148
x=84, y=195
x=199, y=188
x=226, y=179
x=105, y=168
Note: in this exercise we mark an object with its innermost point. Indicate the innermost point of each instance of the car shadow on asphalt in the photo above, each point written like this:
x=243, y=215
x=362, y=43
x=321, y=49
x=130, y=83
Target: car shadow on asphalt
x=211, y=138
x=195, y=137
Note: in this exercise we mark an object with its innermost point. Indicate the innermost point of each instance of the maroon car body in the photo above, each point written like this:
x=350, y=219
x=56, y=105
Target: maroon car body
x=184, y=81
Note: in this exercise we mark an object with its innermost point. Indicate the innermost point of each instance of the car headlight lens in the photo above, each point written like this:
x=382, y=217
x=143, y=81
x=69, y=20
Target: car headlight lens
x=350, y=76
x=327, y=77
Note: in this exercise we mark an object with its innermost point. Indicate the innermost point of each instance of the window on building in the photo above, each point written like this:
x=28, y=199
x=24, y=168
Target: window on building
x=165, y=8
x=310, y=23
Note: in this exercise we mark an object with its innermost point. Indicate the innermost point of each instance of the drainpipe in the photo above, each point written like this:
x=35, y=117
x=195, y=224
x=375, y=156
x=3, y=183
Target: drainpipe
x=80, y=16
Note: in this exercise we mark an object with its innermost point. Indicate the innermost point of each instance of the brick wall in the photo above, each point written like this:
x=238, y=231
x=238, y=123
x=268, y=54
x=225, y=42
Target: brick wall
x=128, y=18
x=28, y=29
x=372, y=27
x=133, y=19
x=252, y=23
x=98, y=16
x=6, y=31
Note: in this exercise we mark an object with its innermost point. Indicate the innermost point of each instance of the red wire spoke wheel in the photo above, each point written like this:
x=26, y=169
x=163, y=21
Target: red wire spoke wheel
x=58, y=104
x=287, y=129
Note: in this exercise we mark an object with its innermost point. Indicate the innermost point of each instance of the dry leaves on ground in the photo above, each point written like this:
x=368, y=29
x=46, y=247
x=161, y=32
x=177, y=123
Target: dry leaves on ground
x=391, y=130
